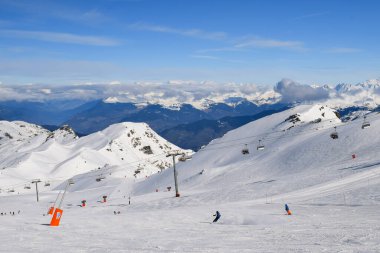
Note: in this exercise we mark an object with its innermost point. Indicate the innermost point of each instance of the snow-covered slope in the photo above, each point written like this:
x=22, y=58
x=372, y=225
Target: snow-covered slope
x=29, y=151
x=299, y=153
x=333, y=196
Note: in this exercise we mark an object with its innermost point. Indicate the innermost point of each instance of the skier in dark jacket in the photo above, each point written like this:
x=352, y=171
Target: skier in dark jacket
x=217, y=216
x=287, y=209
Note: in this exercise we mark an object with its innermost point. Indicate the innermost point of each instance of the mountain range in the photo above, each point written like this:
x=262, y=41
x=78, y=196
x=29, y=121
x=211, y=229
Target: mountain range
x=198, y=121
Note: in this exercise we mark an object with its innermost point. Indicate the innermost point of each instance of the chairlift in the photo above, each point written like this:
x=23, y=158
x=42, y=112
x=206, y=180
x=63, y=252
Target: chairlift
x=27, y=187
x=365, y=124
x=100, y=178
x=245, y=150
x=184, y=157
x=260, y=146
x=47, y=184
x=11, y=190
x=334, y=135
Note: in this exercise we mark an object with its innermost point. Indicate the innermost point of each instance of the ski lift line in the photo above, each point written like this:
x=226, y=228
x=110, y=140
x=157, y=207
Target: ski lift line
x=280, y=137
x=259, y=135
x=326, y=126
x=240, y=143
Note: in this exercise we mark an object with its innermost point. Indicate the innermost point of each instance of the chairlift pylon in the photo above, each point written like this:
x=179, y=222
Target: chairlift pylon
x=260, y=146
x=365, y=124
x=245, y=150
x=334, y=135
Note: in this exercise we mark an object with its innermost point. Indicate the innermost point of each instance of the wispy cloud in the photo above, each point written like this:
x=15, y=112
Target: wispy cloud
x=214, y=58
x=244, y=44
x=56, y=10
x=270, y=43
x=220, y=49
x=209, y=57
x=60, y=37
x=312, y=15
x=196, y=33
x=344, y=50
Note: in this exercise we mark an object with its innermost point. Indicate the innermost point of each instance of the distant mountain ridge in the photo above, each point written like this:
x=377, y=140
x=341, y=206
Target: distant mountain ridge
x=167, y=115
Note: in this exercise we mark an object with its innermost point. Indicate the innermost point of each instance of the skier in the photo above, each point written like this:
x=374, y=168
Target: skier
x=287, y=209
x=217, y=214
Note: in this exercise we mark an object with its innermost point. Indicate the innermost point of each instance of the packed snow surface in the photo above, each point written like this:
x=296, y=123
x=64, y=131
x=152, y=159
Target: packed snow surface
x=331, y=186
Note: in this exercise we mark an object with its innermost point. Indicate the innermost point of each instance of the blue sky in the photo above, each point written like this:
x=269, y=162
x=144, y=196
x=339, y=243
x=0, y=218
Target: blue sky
x=261, y=42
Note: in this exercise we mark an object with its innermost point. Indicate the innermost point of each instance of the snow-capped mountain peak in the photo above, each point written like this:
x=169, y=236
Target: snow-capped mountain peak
x=28, y=151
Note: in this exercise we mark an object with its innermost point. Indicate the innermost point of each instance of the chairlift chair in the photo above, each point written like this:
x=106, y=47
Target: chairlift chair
x=11, y=190
x=334, y=135
x=184, y=157
x=365, y=124
x=47, y=184
x=245, y=150
x=27, y=187
x=260, y=146
x=100, y=178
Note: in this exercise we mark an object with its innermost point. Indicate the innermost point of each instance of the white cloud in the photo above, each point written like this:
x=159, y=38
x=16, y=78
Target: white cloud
x=60, y=37
x=270, y=43
x=209, y=57
x=292, y=91
x=46, y=91
x=115, y=82
x=196, y=33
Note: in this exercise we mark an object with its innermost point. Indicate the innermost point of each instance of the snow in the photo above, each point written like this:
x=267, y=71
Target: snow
x=334, y=198
x=111, y=100
x=204, y=94
x=133, y=148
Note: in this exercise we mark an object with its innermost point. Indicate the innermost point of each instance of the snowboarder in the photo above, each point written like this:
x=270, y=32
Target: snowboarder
x=217, y=216
x=287, y=209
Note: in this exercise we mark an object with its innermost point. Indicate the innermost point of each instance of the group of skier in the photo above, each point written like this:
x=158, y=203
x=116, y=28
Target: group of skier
x=10, y=213
x=217, y=215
